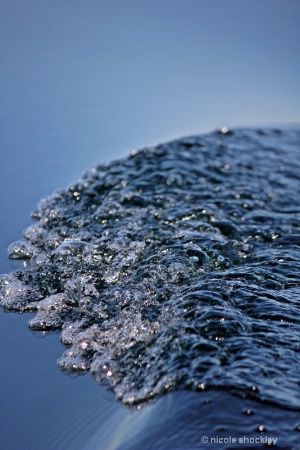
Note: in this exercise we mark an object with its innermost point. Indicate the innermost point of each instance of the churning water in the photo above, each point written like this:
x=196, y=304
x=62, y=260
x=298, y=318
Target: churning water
x=175, y=268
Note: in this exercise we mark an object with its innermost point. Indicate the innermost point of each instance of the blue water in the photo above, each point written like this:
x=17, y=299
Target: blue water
x=84, y=84
x=174, y=270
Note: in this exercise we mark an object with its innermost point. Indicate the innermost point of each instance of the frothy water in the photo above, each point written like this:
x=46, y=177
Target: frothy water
x=175, y=268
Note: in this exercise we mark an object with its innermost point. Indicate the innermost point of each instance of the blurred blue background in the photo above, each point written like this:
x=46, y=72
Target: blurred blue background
x=89, y=81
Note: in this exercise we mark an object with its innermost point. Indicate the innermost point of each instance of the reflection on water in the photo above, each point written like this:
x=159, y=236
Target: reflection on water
x=83, y=84
x=177, y=267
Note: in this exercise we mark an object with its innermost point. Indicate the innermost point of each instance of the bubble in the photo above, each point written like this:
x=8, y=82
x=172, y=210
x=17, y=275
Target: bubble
x=49, y=315
x=175, y=268
x=15, y=295
x=21, y=250
x=71, y=248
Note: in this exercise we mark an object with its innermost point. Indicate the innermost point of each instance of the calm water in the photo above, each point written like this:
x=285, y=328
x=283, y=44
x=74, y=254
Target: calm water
x=84, y=84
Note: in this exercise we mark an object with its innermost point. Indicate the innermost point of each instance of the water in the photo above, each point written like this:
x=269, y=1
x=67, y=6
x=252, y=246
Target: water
x=83, y=84
x=175, y=268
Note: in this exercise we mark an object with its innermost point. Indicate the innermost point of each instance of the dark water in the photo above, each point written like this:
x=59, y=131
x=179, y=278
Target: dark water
x=177, y=269
x=87, y=82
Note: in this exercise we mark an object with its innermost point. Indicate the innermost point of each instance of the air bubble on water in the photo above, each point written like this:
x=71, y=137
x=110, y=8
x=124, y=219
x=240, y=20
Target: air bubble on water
x=49, y=315
x=161, y=270
x=21, y=250
x=15, y=295
x=70, y=248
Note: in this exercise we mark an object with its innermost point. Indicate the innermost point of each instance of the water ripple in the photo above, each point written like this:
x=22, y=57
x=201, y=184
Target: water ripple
x=177, y=267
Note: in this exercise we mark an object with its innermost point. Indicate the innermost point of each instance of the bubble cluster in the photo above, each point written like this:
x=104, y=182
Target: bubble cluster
x=176, y=267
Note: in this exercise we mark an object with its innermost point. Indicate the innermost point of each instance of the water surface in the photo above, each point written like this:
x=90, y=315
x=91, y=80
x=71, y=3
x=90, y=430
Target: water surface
x=83, y=84
x=176, y=268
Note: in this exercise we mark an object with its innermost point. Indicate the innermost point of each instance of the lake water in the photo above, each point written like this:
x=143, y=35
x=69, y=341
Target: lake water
x=83, y=83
